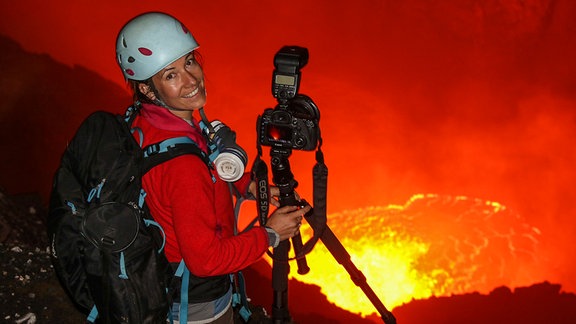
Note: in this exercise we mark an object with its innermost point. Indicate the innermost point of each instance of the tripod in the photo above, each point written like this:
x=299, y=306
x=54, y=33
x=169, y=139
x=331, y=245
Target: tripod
x=284, y=180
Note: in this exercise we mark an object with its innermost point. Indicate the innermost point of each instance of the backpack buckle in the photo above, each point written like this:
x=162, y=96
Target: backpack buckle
x=152, y=149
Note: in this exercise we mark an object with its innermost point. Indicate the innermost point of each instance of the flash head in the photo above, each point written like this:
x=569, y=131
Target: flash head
x=286, y=76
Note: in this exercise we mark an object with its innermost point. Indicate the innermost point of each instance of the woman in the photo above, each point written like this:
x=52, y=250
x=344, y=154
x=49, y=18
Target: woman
x=158, y=57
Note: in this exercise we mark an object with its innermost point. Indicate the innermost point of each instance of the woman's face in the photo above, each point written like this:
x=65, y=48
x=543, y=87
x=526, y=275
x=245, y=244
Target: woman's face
x=180, y=85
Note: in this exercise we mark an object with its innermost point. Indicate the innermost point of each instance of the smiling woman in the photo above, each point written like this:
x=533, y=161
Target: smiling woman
x=189, y=196
x=160, y=64
x=178, y=87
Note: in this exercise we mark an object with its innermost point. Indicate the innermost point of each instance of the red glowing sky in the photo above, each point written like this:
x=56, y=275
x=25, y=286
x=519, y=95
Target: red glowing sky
x=469, y=98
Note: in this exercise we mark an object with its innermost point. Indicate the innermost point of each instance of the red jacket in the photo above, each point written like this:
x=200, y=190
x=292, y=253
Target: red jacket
x=196, y=214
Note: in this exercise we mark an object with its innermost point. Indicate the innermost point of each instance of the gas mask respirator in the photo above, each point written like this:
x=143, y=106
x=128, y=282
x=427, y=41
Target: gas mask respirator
x=229, y=159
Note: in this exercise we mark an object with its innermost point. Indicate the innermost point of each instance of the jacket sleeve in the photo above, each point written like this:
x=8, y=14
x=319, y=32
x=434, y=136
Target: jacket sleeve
x=203, y=220
x=242, y=184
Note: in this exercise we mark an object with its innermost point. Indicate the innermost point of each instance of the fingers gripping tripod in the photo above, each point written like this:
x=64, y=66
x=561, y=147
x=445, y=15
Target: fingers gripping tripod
x=316, y=218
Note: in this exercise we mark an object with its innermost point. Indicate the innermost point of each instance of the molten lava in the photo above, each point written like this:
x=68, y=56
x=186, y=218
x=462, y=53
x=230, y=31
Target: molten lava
x=431, y=246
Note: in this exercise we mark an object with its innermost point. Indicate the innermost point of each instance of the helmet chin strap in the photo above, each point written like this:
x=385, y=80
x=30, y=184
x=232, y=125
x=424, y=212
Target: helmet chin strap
x=159, y=102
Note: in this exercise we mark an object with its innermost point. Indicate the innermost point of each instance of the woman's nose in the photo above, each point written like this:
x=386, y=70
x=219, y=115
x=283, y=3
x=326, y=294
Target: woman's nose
x=190, y=78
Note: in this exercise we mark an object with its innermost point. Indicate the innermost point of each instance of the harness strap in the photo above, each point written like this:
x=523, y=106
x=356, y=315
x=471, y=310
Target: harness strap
x=166, y=145
x=157, y=153
x=95, y=192
x=183, y=273
x=149, y=222
x=123, y=274
x=141, y=198
x=93, y=314
x=239, y=296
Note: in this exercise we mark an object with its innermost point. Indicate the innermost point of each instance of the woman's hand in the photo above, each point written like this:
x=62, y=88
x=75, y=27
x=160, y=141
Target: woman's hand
x=286, y=220
x=274, y=193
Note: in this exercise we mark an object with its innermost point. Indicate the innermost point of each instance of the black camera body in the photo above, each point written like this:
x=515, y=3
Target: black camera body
x=293, y=123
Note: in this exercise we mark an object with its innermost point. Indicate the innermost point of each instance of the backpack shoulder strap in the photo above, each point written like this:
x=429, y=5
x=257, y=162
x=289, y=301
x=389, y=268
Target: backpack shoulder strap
x=158, y=153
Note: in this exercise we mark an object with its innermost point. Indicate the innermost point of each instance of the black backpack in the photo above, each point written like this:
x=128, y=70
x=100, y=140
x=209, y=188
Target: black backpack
x=105, y=246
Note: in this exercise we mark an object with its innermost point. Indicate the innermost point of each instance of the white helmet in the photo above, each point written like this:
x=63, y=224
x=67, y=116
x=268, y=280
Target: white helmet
x=150, y=42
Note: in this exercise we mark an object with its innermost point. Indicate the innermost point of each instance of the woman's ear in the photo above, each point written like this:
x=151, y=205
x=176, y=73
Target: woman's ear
x=145, y=90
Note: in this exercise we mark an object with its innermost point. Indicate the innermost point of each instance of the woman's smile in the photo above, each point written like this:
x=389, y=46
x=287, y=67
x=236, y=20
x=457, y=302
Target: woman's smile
x=192, y=94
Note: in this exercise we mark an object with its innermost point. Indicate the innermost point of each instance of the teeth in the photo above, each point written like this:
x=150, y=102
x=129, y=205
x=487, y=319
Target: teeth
x=192, y=94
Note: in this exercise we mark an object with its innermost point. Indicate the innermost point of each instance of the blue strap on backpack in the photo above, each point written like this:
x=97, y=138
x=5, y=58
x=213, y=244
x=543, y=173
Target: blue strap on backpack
x=182, y=271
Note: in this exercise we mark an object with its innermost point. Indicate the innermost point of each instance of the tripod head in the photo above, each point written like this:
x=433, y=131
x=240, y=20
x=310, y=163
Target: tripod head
x=283, y=177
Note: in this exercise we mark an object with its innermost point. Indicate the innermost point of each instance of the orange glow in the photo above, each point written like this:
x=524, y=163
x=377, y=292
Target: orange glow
x=431, y=246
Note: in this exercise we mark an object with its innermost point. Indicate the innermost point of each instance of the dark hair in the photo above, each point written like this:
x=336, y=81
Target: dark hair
x=140, y=97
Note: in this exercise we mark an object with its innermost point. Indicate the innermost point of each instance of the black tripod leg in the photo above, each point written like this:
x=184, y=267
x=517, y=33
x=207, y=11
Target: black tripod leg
x=341, y=255
x=280, y=271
